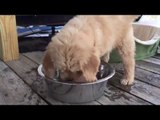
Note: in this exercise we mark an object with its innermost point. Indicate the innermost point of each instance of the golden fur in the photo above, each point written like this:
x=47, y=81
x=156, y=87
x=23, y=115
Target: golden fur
x=76, y=51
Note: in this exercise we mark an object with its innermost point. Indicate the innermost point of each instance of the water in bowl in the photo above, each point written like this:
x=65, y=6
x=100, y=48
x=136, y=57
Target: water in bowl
x=102, y=73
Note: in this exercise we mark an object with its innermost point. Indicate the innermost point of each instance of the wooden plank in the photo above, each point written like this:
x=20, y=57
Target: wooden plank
x=27, y=70
x=8, y=38
x=139, y=89
x=115, y=96
x=142, y=75
x=35, y=56
x=153, y=60
x=119, y=97
x=13, y=91
x=157, y=56
x=148, y=66
x=148, y=77
x=155, y=68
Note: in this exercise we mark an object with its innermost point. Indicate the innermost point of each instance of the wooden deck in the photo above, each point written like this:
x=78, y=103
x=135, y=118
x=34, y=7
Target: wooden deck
x=20, y=84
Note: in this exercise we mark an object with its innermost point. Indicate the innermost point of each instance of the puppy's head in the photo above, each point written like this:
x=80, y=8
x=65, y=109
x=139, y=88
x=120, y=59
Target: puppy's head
x=74, y=63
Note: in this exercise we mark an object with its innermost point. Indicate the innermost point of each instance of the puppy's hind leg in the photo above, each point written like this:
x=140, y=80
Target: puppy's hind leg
x=127, y=53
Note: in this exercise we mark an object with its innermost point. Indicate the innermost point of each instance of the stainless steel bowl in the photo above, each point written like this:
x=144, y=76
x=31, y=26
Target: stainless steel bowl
x=80, y=92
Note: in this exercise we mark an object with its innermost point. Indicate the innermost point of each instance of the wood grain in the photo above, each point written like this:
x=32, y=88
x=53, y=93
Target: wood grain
x=35, y=56
x=153, y=60
x=148, y=66
x=13, y=91
x=146, y=76
x=8, y=38
x=157, y=56
x=120, y=97
x=139, y=89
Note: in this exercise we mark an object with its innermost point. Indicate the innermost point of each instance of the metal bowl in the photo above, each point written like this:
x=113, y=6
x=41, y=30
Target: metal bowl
x=80, y=92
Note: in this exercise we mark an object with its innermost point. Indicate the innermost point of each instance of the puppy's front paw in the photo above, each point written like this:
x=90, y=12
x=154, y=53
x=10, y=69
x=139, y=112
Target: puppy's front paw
x=126, y=82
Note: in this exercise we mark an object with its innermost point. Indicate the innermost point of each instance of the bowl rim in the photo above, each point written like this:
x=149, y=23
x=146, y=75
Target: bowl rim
x=111, y=74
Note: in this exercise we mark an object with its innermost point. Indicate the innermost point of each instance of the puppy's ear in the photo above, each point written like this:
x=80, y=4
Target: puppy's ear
x=48, y=66
x=90, y=68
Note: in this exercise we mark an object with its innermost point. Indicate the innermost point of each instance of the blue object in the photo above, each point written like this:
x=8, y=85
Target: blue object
x=24, y=31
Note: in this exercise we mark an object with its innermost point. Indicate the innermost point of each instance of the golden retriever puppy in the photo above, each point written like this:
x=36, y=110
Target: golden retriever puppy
x=77, y=49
